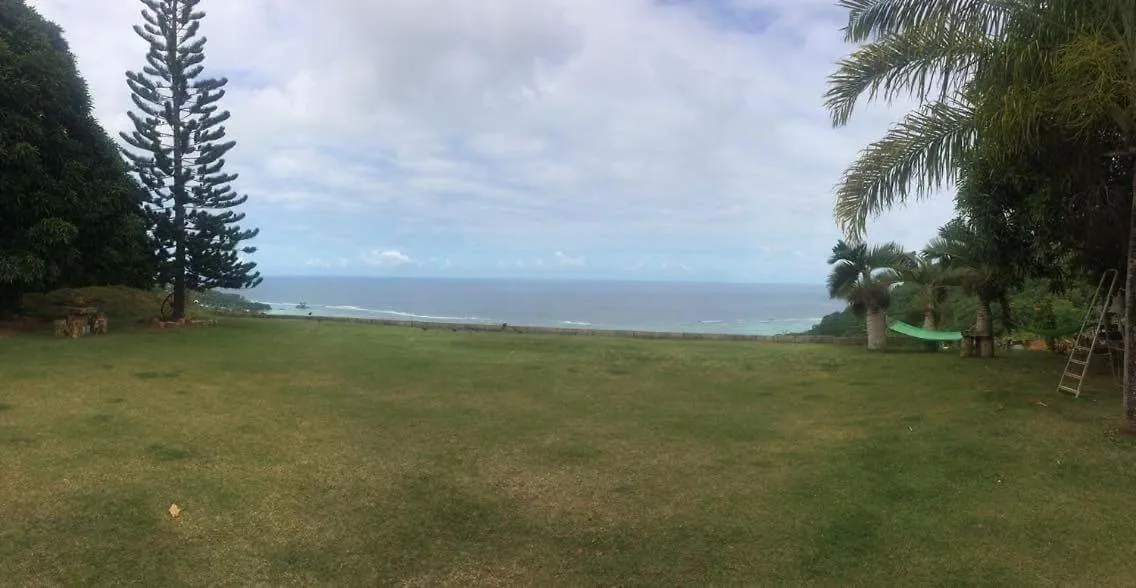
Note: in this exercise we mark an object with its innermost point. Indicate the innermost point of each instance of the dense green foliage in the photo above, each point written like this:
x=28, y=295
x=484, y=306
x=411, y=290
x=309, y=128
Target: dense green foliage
x=69, y=214
x=350, y=455
x=177, y=150
x=1037, y=311
x=227, y=301
x=1029, y=104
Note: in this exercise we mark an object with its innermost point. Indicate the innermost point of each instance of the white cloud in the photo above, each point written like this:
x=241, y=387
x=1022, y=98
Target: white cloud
x=608, y=126
x=389, y=258
x=568, y=261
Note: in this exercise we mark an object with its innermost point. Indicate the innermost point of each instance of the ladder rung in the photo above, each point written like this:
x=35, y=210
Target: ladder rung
x=1072, y=375
x=1077, y=361
x=1073, y=391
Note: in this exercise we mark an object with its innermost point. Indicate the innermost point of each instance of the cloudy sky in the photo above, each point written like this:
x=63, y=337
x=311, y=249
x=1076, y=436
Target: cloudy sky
x=642, y=139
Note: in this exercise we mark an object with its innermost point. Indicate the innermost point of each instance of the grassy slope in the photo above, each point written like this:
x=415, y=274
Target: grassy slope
x=348, y=454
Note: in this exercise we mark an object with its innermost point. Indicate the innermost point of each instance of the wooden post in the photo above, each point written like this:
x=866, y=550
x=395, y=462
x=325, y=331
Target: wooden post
x=60, y=327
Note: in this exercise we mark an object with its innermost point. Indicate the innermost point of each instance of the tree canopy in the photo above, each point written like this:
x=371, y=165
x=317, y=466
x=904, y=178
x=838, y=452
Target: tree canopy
x=1029, y=105
x=69, y=213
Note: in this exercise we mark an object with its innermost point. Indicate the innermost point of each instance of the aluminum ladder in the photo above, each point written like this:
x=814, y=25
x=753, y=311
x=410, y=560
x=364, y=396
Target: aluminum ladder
x=1086, y=341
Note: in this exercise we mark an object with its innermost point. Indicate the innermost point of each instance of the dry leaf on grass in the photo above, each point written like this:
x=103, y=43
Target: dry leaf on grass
x=1040, y=403
x=175, y=511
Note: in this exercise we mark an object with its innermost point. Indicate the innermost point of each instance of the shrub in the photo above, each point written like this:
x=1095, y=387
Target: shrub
x=119, y=303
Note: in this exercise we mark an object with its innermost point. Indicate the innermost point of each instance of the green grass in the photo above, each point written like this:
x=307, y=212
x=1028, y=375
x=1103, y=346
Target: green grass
x=338, y=454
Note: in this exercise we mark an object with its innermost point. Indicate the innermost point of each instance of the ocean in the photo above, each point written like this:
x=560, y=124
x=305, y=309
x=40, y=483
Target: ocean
x=752, y=309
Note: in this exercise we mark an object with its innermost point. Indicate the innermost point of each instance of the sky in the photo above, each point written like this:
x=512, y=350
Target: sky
x=579, y=139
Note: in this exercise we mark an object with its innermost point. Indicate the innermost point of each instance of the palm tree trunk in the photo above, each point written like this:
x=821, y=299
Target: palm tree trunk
x=929, y=318
x=877, y=330
x=929, y=324
x=982, y=328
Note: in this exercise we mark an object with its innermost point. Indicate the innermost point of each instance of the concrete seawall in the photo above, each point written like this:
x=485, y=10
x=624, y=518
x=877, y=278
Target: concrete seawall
x=529, y=330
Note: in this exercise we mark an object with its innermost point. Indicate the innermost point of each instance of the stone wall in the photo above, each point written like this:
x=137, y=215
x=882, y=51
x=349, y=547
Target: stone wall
x=439, y=326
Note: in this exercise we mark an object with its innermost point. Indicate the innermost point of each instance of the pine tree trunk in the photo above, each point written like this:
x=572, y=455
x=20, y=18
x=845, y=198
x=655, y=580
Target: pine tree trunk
x=179, y=262
x=1130, y=315
x=983, y=329
x=877, y=330
x=178, y=190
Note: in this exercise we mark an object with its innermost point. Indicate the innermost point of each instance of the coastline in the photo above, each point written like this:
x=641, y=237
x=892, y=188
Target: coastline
x=566, y=331
x=766, y=328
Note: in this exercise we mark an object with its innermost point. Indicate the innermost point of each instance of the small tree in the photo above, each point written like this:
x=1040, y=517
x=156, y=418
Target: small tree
x=864, y=276
x=177, y=150
x=972, y=264
x=931, y=278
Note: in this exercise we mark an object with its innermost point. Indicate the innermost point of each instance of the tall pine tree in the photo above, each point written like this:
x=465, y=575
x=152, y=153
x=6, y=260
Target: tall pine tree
x=177, y=150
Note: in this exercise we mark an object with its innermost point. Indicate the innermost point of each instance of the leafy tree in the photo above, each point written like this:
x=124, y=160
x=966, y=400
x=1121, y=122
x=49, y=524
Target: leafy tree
x=213, y=299
x=68, y=211
x=1001, y=74
x=843, y=323
x=1048, y=313
x=863, y=276
x=177, y=150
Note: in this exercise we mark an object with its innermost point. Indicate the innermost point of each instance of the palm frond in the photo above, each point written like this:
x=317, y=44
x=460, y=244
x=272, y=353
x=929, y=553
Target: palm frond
x=1094, y=83
x=844, y=251
x=919, y=61
x=890, y=255
x=921, y=151
x=873, y=19
x=888, y=277
x=843, y=279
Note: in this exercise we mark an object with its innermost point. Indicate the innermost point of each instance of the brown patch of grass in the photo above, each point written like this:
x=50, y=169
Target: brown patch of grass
x=475, y=573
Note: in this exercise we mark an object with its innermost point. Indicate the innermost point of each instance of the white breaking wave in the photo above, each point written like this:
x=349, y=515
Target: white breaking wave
x=275, y=304
x=408, y=315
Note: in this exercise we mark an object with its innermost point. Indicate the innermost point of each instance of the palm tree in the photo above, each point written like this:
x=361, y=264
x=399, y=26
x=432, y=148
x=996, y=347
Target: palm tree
x=864, y=276
x=989, y=73
x=968, y=262
x=932, y=278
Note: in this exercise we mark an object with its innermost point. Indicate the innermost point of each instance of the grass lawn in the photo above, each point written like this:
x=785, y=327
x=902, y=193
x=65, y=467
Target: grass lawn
x=307, y=453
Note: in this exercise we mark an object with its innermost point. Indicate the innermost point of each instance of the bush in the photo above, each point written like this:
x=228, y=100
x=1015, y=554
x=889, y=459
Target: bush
x=119, y=303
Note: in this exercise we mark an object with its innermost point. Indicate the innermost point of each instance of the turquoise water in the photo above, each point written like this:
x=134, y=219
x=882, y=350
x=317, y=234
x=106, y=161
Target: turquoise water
x=756, y=309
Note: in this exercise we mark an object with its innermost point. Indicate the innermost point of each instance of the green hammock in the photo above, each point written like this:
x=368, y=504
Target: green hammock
x=925, y=334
